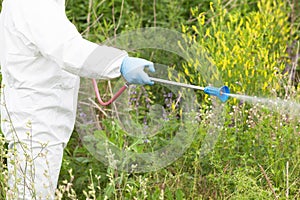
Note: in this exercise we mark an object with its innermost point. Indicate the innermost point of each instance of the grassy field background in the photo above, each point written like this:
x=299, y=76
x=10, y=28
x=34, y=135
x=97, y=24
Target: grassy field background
x=255, y=47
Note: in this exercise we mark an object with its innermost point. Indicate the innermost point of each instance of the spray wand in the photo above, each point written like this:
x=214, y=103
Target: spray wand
x=221, y=93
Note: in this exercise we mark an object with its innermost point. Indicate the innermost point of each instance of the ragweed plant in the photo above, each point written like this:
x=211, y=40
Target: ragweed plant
x=20, y=156
x=3, y=168
x=248, y=47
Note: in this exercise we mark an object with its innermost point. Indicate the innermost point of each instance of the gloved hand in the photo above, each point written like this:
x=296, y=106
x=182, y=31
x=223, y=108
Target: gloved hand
x=132, y=69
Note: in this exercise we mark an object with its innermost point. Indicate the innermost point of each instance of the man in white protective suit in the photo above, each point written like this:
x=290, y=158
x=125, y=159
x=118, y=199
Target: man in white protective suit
x=42, y=57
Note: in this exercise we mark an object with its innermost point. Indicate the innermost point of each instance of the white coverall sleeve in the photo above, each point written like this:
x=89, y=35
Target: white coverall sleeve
x=56, y=38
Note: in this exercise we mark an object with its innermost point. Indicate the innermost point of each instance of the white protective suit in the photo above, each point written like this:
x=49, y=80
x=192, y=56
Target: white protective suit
x=42, y=56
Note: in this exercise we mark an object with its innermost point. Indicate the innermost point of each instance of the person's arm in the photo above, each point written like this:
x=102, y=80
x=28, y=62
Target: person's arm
x=45, y=24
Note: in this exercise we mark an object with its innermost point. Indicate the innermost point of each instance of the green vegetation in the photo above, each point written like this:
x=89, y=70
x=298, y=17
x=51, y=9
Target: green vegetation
x=254, y=46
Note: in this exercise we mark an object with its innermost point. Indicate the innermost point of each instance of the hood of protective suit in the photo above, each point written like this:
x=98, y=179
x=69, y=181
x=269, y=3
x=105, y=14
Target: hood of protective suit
x=42, y=56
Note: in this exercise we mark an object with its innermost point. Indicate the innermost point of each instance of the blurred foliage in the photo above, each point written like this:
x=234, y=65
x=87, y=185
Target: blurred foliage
x=112, y=17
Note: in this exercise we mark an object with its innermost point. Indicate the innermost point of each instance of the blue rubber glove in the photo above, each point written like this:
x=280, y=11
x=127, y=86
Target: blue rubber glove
x=132, y=69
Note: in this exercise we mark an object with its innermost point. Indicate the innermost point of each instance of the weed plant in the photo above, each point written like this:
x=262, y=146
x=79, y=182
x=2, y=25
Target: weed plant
x=255, y=47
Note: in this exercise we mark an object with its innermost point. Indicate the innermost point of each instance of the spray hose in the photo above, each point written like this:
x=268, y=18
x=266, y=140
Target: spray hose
x=121, y=90
x=222, y=93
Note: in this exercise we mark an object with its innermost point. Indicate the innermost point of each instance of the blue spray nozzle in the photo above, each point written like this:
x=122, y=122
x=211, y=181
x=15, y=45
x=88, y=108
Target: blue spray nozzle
x=221, y=92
